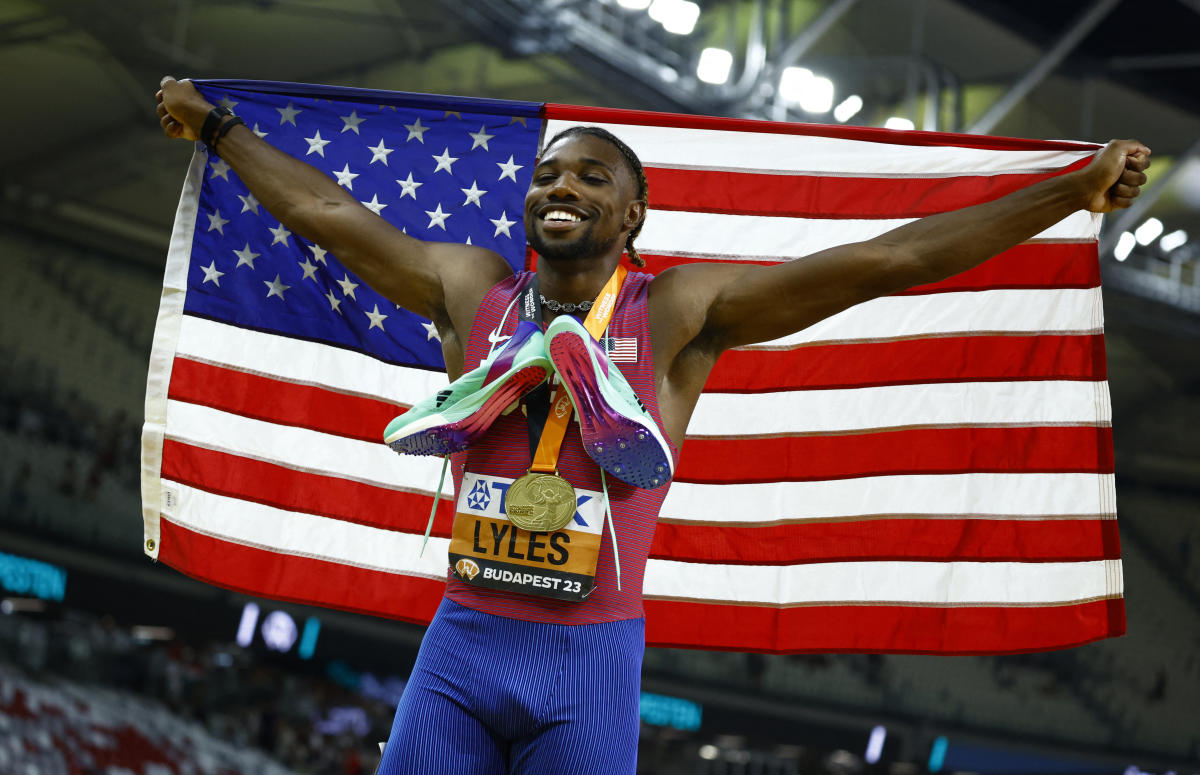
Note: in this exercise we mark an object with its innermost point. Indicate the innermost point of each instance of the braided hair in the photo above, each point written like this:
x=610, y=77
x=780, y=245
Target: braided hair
x=635, y=168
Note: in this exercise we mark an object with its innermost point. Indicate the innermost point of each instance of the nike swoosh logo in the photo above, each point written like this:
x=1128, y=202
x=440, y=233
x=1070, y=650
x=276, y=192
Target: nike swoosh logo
x=495, y=338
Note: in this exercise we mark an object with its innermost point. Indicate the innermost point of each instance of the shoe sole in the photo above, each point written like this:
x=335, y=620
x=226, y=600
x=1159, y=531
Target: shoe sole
x=435, y=436
x=624, y=447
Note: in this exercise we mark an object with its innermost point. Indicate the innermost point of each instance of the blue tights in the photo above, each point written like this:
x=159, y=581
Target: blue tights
x=491, y=695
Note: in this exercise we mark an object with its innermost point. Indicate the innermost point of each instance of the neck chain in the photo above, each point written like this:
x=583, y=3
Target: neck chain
x=567, y=307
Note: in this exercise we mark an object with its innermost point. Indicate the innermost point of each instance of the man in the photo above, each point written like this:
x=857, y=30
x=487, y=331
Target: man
x=528, y=682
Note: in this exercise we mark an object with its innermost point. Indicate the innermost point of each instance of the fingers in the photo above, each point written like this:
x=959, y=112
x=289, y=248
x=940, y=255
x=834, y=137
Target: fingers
x=1132, y=178
x=1125, y=192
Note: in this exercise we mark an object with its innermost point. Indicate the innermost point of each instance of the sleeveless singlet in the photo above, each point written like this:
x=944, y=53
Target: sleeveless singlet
x=504, y=451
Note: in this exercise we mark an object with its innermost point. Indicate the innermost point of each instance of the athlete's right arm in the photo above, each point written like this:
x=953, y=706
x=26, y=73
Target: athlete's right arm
x=441, y=281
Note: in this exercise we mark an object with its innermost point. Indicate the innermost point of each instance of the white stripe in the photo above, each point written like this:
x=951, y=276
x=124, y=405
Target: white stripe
x=310, y=363
x=729, y=149
x=304, y=449
x=936, y=583
x=1066, y=310
x=1000, y=583
x=951, y=495
x=295, y=360
x=306, y=535
x=1035, y=402
x=734, y=236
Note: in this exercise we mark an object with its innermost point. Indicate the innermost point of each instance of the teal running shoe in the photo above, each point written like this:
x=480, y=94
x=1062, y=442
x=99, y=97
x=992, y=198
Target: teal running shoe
x=453, y=419
x=618, y=433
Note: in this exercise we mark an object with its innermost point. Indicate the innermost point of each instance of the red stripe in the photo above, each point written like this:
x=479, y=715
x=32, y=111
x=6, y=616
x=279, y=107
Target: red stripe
x=298, y=579
x=948, y=359
x=935, y=540
x=893, y=629
x=310, y=493
x=883, y=628
x=555, y=111
x=1033, y=265
x=817, y=196
x=279, y=401
x=919, y=451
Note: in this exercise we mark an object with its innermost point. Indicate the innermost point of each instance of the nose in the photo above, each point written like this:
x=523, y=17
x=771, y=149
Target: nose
x=564, y=187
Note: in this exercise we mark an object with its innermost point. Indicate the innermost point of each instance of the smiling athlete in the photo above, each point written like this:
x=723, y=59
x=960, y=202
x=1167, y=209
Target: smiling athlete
x=532, y=663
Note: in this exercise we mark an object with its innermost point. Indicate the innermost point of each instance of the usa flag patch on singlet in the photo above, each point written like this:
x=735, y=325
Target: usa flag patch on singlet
x=621, y=349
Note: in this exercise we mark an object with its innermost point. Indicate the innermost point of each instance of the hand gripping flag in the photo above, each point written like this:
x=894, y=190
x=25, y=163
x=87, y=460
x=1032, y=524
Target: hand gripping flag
x=926, y=472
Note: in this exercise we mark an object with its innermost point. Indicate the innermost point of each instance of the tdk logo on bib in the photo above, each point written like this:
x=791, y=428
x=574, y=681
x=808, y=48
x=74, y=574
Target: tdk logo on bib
x=482, y=495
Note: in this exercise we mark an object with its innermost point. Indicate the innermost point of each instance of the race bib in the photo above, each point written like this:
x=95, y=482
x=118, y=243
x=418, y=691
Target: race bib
x=487, y=550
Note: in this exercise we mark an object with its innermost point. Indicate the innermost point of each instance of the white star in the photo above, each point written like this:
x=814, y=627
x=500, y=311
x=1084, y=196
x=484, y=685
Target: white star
x=437, y=218
x=310, y=270
x=275, y=287
x=351, y=122
x=508, y=169
x=334, y=302
x=431, y=331
x=319, y=254
x=258, y=131
x=409, y=186
x=246, y=256
x=445, y=161
x=467, y=241
x=281, y=234
x=502, y=224
x=376, y=318
x=212, y=274
x=227, y=103
x=348, y=287
x=345, y=177
x=374, y=205
x=473, y=193
x=287, y=116
x=249, y=203
x=416, y=130
x=316, y=144
x=220, y=169
x=379, y=152
x=481, y=138
x=215, y=221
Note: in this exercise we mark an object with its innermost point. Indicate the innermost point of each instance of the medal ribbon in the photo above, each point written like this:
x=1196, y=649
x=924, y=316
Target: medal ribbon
x=545, y=458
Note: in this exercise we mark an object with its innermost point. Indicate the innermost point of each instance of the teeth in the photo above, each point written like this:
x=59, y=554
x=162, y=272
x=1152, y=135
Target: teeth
x=561, y=215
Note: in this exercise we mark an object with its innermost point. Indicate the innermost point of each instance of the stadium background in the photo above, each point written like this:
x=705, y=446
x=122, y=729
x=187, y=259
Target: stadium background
x=134, y=668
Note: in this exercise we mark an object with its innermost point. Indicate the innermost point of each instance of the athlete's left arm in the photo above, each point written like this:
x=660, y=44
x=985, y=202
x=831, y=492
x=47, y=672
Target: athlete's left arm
x=759, y=304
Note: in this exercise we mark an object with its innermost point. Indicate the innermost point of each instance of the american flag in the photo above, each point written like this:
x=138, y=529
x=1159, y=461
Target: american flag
x=927, y=472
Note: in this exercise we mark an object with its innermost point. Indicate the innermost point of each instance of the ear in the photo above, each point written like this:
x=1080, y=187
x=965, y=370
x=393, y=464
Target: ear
x=635, y=211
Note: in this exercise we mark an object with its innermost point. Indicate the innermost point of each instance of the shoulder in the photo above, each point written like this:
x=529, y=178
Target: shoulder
x=689, y=285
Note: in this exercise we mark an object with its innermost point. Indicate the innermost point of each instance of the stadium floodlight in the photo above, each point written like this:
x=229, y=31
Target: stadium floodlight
x=1148, y=231
x=1173, y=240
x=677, y=16
x=245, y=632
x=1124, y=246
x=848, y=108
x=801, y=86
x=634, y=5
x=897, y=122
x=714, y=65
x=875, y=745
x=709, y=752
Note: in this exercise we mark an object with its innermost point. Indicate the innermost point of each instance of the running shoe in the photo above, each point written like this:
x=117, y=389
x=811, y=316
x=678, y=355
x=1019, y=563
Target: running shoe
x=618, y=433
x=454, y=418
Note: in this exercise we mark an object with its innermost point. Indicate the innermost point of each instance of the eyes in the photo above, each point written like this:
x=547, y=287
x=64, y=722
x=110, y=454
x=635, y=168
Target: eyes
x=591, y=178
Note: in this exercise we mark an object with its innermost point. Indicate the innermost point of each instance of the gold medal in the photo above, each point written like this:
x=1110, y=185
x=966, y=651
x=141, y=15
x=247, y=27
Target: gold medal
x=540, y=502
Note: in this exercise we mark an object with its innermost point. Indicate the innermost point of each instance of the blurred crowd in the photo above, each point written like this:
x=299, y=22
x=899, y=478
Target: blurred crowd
x=304, y=721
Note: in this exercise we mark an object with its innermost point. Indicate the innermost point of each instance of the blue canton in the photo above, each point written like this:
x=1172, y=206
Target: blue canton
x=427, y=165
